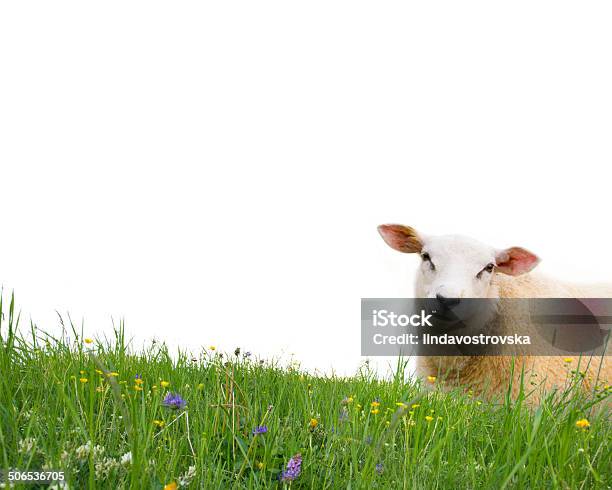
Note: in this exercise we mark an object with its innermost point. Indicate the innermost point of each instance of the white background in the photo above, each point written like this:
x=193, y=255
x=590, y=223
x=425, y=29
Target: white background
x=214, y=173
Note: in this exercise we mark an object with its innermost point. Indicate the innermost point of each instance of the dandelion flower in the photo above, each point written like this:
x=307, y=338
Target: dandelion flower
x=375, y=411
x=113, y=374
x=174, y=401
x=88, y=341
x=431, y=379
x=138, y=381
x=137, y=388
x=164, y=384
x=313, y=424
x=294, y=468
x=99, y=372
x=583, y=424
x=81, y=372
x=429, y=418
x=83, y=380
x=415, y=405
x=171, y=486
x=375, y=404
x=568, y=359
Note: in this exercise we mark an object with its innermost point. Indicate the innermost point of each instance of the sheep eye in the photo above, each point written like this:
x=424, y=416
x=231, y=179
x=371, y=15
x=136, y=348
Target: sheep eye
x=489, y=268
x=426, y=258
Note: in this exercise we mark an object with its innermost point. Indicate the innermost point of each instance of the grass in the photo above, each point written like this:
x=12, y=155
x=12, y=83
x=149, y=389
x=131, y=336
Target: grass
x=61, y=408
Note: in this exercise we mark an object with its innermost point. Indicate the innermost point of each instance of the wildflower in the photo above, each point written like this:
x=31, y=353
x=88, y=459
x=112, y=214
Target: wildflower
x=347, y=400
x=375, y=411
x=429, y=418
x=159, y=423
x=113, y=374
x=104, y=466
x=379, y=468
x=201, y=386
x=26, y=445
x=583, y=424
x=247, y=354
x=431, y=379
x=401, y=404
x=81, y=372
x=83, y=380
x=568, y=359
x=260, y=465
x=174, y=401
x=154, y=387
x=99, y=372
x=185, y=479
x=313, y=424
x=164, y=384
x=82, y=452
x=126, y=459
x=375, y=404
x=138, y=379
x=99, y=389
x=171, y=486
x=88, y=341
x=294, y=468
x=137, y=388
x=212, y=347
x=415, y=405
x=262, y=429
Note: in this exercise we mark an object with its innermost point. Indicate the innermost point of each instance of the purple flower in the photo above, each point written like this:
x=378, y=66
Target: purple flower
x=174, y=401
x=262, y=429
x=294, y=468
x=138, y=376
x=379, y=468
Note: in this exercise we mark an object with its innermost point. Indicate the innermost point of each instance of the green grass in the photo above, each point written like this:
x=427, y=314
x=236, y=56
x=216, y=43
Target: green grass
x=448, y=440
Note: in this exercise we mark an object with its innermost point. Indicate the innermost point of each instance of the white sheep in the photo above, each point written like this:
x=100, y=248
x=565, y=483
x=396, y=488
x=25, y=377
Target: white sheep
x=460, y=267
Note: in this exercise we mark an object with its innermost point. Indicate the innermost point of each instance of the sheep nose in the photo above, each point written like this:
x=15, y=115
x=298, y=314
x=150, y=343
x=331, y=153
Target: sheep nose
x=447, y=302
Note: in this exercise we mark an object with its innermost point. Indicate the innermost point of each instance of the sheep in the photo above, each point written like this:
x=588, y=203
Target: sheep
x=455, y=266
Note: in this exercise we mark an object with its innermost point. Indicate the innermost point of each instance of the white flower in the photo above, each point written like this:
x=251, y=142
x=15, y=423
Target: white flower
x=82, y=452
x=26, y=445
x=189, y=475
x=126, y=459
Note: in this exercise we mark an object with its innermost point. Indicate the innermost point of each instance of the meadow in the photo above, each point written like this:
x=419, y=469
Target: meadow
x=114, y=417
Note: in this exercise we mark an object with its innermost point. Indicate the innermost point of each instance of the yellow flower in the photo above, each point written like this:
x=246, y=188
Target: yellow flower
x=212, y=347
x=99, y=372
x=583, y=424
x=401, y=404
x=159, y=423
x=201, y=386
x=260, y=465
x=88, y=341
x=313, y=423
x=375, y=411
x=428, y=418
x=568, y=359
x=415, y=405
x=154, y=387
x=431, y=379
x=113, y=374
x=81, y=372
x=83, y=380
x=164, y=384
x=138, y=381
x=138, y=388
x=375, y=404
x=349, y=399
x=170, y=486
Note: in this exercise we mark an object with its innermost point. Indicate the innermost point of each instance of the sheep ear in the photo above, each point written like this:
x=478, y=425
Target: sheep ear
x=515, y=261
x=401, y=238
